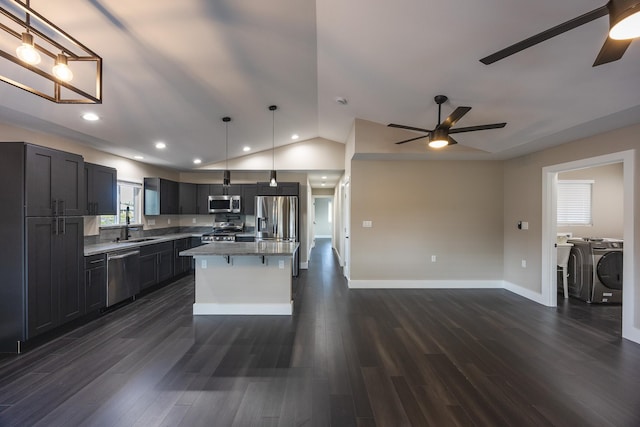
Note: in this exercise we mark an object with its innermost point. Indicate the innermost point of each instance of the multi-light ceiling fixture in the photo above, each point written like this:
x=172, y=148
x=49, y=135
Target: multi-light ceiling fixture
x=226, y=179
x=47, y=51
x=272, y=176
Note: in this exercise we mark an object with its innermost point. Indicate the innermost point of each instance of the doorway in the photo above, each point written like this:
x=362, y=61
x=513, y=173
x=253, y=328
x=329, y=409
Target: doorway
x=549, y=233
x=323, y=217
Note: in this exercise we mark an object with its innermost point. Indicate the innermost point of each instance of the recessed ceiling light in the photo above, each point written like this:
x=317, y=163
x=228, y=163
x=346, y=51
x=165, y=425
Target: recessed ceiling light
x=295, y=136
x=323, y=184
x=138, y=157
x=161, y=145
x=90, y=117
x=324, y=177
x=246, y=148
x=197, y=161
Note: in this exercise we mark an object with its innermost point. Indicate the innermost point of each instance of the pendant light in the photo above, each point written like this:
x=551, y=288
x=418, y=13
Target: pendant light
x=27, y=51
x=624, y=20
x=273, y=182
x=226, y=180
x=61, y=70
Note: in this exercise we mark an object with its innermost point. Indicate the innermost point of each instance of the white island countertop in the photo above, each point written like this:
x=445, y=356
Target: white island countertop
x=262, y=248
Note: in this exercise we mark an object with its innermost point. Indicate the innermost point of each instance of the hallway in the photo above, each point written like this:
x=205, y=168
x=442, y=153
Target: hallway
x=345, y=358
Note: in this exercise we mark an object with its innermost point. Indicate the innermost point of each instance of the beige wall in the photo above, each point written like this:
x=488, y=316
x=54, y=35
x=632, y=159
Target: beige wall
x=523, y=199
x=607, y=201
x=450, y=209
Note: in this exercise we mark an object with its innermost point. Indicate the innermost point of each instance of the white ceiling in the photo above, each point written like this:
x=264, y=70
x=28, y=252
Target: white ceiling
x=173, y=69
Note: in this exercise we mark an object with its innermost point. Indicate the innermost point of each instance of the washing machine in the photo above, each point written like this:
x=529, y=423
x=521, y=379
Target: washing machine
x=595, y=270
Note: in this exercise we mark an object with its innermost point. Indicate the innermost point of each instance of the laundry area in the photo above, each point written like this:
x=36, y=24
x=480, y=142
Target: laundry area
x=590, y=235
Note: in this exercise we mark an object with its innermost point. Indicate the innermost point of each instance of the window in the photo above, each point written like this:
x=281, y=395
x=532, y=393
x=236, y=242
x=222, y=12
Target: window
x=574, y=202
x=129, y=195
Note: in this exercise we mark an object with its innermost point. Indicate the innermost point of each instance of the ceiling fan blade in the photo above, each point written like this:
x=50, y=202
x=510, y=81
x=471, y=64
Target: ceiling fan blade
x=454, y=117
x=452, y=141
x=393, y=125
x=413, y=139
x=479, y=127
x=612, y=50
x=546, y=35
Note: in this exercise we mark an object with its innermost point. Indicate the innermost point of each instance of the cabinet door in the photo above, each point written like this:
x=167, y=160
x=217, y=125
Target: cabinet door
x=168, y=197
x=39, y=195
x=288, y=189
x=187, y=195
x=69, y=260
x=202, y=199
x=216, y=190
x=165, y=264
x=181, y=264
x=264, y=189
x=95, y=282
x=102, y=187
x=68, y=184
x=249, y=193
x=42, y=286
x=148, y=270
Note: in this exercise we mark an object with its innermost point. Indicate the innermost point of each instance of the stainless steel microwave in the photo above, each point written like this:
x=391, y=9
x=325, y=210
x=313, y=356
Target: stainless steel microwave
x=224, y=204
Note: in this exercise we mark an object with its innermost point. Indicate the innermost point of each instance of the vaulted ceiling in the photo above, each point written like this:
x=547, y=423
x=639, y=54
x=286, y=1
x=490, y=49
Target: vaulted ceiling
x=173, y=69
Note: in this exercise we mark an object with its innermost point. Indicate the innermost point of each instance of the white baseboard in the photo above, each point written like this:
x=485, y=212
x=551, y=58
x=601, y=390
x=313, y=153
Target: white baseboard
x=425, y=284
x=304, y=265
x=242, y=309
x=524, y=292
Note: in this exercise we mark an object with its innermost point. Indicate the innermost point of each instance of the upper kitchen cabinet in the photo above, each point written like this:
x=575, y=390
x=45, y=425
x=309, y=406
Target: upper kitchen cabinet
x=202, y=199
x=249, y=193
x=54, y=182
x=160, y=197
x=283, y=189
x=187, y=198
x=102, y=187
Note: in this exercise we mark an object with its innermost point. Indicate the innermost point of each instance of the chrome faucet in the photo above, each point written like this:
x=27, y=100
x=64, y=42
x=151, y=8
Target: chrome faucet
x=127, y=222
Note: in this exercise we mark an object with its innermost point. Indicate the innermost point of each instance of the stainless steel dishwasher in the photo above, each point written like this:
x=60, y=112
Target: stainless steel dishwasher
x=123, y=275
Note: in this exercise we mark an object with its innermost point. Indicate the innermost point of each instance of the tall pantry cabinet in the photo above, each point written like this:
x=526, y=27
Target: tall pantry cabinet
x=41, y=241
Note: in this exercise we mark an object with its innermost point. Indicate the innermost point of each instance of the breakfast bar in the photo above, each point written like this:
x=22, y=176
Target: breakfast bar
x=243, y=278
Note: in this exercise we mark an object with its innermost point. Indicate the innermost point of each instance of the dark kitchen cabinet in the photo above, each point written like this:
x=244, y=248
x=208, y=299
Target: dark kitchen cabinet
x=55, y=280
x=160, y=197
x=202, y=199
x=95, y=282
x=41, y=250
x=181, y=264
x=54, y=182
x=156, y=263
x=187, y=198
x=249, y=193
x=283, y=189
x=101, y=187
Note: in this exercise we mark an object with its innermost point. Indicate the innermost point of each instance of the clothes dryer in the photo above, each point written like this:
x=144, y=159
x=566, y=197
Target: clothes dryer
x=595, y=270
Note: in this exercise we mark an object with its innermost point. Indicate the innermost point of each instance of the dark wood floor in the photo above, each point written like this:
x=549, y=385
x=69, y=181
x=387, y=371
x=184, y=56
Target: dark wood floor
x=345, y=358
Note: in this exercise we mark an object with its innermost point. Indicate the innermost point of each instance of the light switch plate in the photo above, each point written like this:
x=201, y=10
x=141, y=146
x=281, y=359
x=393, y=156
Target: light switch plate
x=203, y=263
x=281, y=264
x=367, y=224
x=151, y=222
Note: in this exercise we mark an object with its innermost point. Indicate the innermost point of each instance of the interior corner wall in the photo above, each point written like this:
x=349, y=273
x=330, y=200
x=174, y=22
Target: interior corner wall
x=418, y=209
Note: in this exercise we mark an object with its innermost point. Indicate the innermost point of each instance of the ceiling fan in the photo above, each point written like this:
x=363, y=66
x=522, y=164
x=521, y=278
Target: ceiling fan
x=624, y=25
x=440, y=135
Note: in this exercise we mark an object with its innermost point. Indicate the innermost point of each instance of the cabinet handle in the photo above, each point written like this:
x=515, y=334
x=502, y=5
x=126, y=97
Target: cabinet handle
x=54, y=207
x=64, y=225
x=55, y=226
x=96, y=261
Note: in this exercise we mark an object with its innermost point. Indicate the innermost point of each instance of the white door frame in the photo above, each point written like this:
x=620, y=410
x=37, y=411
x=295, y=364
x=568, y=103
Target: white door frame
x=346, y=224
x=333, y=223
x=549, y=219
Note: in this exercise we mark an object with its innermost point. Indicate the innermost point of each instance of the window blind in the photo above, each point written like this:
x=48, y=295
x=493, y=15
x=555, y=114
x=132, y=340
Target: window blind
x=574, y=202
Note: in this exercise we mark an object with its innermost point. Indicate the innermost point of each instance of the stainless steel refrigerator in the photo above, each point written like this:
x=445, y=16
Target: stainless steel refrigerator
x=277, y=219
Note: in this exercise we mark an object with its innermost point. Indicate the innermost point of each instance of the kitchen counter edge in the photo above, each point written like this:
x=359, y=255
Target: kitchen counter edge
x=102, y=248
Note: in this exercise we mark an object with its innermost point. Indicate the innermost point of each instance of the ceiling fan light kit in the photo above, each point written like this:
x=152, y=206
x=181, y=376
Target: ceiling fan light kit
x=624, y=26
x=48, y=53
x=624, y=20
x=439, y=136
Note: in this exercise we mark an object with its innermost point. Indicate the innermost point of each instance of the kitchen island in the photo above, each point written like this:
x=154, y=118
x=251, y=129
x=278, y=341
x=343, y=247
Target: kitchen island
x=243, y=278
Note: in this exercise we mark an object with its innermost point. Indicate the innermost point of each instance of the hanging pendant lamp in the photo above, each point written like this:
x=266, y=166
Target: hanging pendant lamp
x=273, y=182
x=226, y=179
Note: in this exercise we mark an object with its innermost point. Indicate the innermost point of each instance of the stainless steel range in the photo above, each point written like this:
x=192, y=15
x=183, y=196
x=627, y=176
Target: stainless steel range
x=224, y=231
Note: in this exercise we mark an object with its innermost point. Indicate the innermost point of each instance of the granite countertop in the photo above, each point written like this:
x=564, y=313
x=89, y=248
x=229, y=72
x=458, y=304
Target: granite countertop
x=134, y=243
x=263, y=248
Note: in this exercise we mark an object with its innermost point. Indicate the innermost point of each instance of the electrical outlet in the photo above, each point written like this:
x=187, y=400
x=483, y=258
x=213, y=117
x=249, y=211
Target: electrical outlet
x=193, y=220
x=281, y=264
x=168, y=220
x=203, y=264
x=433, y=258
x=151, y=222
x=524, y=263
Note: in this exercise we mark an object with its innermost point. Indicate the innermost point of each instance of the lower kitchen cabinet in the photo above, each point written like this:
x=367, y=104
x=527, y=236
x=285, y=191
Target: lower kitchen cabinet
x=156, y=264
x=55, y=279
x=95, y=279
x=181, y=264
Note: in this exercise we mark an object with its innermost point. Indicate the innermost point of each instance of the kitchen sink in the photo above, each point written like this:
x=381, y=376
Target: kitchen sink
x=141, y=239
